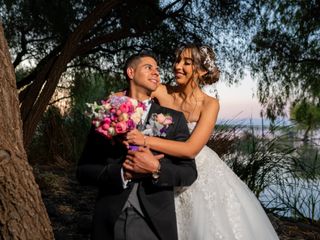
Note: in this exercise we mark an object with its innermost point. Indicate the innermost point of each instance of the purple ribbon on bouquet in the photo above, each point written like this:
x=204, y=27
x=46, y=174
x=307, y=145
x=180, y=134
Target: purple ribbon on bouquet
x=133, y=147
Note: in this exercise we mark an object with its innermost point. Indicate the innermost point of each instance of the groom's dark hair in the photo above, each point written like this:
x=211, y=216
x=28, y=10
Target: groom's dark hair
x=133, y=59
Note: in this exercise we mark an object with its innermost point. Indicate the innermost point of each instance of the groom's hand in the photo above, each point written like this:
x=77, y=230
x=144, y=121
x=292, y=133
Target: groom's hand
x=129, y=175
x=142, y=161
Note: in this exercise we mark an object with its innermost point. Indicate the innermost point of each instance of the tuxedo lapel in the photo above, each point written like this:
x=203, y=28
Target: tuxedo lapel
x=156, y=108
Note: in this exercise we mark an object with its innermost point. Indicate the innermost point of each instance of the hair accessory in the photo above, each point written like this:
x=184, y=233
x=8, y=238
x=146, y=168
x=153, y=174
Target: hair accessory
x=208, y=62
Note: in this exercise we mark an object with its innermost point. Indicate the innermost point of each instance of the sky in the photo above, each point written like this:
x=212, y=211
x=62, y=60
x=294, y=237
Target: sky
x=238, y=101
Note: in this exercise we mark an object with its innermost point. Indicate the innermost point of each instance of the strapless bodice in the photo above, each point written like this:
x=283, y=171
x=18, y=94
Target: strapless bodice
x=191, y=126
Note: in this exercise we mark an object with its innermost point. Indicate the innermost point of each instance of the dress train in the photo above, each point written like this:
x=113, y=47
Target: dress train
x=219, y=205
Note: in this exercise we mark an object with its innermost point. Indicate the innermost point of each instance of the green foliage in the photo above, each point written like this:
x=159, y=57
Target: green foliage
x=59, y=139
x=256, y=160
x=88, y=87
x=279, y=168
x=285, y=52
x=35, y=29
x=279, y=40
x=51, y=144
x=307, y=165
x=306, y=115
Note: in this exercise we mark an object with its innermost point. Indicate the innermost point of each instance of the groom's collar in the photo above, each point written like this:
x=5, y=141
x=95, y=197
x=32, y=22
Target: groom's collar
x=148, y=101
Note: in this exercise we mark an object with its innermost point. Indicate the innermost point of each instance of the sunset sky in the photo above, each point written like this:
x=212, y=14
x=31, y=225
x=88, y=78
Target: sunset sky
x=238, y=101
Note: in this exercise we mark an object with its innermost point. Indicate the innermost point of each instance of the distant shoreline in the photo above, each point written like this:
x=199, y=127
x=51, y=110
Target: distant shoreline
x=256, y=122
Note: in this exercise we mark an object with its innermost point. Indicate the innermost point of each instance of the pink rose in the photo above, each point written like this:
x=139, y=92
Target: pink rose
x=131, y=125
x=142, y=105
x=105, y=126
x=118, y=112
x=121, y=127
x=167, y=121
x=124, y=108
x=161, y=118
x=131, y=109
x=103, y=132
x=107, y=120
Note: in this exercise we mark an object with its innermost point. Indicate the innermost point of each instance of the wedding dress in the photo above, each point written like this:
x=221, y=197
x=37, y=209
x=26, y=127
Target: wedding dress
x=218, y=205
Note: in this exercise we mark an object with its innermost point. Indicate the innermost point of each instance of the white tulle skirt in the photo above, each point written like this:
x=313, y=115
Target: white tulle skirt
x=219, y=205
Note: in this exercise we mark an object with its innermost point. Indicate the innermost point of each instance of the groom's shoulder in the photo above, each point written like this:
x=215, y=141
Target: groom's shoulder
x=173, y=113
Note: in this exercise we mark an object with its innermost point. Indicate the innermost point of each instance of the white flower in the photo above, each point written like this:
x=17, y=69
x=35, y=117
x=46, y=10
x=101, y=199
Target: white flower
x=134, y=102
x=136, y=117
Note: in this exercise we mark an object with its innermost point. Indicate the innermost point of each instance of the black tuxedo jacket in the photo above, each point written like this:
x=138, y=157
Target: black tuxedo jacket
x=100, y=165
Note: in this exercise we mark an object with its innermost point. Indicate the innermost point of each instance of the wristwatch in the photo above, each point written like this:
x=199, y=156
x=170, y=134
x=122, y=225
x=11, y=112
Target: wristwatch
x=156, y=174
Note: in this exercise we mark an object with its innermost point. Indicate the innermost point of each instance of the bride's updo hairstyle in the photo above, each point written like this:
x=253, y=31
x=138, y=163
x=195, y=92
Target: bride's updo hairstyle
x=203, y=58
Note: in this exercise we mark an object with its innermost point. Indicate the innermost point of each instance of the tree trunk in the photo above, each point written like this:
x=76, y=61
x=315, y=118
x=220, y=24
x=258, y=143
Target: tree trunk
x=22, y=212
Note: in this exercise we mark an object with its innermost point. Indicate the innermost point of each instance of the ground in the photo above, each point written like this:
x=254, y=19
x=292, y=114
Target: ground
x=70, y=205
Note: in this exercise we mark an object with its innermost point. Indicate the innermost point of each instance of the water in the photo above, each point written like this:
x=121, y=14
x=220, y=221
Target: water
x=293, y=197
x=294, y=190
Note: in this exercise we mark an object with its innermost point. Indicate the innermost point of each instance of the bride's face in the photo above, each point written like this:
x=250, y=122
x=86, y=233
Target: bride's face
x=184, y=68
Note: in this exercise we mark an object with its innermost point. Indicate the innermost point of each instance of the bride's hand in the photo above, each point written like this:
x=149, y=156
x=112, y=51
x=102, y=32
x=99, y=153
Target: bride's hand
x=136, y=138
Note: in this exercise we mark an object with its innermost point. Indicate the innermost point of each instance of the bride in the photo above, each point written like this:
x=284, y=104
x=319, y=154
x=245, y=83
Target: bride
x=218, y=205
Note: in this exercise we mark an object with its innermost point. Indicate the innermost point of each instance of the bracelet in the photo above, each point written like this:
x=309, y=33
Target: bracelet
x=156, y=174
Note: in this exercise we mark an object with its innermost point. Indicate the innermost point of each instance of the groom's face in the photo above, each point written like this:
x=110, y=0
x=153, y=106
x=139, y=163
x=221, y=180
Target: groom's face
x=144, y=74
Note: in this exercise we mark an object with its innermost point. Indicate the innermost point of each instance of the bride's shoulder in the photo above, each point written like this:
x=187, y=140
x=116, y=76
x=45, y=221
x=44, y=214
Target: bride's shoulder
x=211, y=105
x=211, y=101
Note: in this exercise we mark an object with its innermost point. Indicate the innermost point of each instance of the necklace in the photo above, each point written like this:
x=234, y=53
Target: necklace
x=189, y=112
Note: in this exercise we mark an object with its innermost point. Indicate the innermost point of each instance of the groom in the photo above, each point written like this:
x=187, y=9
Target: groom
x=141, y=207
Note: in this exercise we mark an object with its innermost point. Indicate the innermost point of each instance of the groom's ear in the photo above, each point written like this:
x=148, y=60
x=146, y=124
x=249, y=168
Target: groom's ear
x=130, y=72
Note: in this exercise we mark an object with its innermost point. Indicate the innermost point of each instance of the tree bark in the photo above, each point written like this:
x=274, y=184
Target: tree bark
x=22, y=212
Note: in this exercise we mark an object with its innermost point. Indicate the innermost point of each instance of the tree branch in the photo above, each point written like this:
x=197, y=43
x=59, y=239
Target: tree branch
x=59, y=99
x=23, y=50
x=126, y=33
x=28, y=79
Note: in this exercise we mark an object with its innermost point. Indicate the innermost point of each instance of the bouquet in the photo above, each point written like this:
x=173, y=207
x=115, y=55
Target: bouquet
x=116, y=115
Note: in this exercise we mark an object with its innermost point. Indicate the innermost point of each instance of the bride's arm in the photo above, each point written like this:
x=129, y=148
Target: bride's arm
x=193, y=145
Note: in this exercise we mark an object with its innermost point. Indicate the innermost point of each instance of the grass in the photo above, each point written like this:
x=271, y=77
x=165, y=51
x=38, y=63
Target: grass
x=282, y=171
